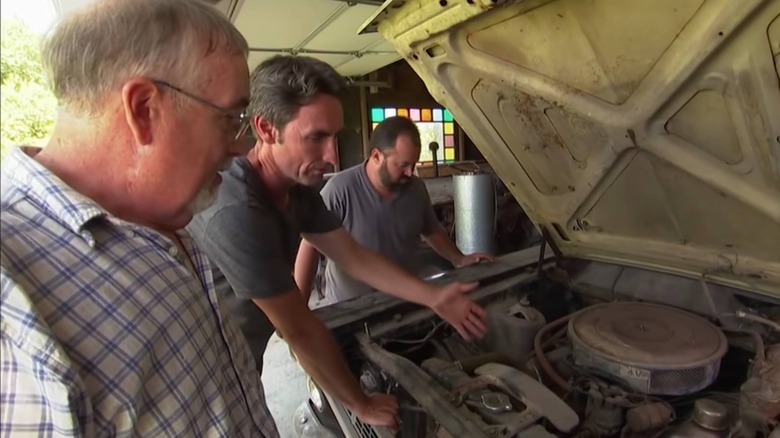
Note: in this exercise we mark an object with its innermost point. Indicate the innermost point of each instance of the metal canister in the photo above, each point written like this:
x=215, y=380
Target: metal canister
x=475, y=212
x=710, y=420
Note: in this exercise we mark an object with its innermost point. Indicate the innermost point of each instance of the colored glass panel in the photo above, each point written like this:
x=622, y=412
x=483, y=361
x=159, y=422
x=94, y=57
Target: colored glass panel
x=437, y=115
x=426, y=115
x=389, y=112
x=447, y=116
x=414, y=114
x=449, y=154
x=377, y=114
x=403, y=112
x=449, y=141
x=373, y=126
x=449, y=128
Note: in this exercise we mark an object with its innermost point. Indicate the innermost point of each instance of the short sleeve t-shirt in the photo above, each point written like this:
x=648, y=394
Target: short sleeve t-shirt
x=391, y=226
x=252, y=244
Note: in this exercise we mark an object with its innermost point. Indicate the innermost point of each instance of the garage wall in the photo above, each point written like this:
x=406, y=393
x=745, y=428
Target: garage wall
x=350, y=138
x=407, y=90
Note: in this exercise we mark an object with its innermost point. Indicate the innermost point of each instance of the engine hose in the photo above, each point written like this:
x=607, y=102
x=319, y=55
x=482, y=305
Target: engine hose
x=541, y=358
x=757, y=340
x=546, y=344
x=758, y=319
x=555, y=337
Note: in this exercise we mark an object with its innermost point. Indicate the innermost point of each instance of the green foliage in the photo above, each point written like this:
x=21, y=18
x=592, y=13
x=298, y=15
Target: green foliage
x=28, y=106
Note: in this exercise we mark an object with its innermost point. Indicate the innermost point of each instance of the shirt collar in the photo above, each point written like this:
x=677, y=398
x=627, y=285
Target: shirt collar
x=38, y=184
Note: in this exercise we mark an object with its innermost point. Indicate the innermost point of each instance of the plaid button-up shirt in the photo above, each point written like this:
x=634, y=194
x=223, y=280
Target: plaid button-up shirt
x=105, y=330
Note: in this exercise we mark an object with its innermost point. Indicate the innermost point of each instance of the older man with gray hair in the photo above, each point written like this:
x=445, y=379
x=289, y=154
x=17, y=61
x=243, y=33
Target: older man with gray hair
x=110, y=321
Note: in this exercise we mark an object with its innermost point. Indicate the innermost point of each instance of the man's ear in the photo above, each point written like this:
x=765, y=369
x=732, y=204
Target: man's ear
x=142, y=103
x=375, y=154
x=265, y=129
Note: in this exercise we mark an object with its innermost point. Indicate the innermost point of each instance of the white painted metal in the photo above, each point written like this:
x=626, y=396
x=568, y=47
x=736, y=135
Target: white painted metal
x=324, y=29
x=643, y=132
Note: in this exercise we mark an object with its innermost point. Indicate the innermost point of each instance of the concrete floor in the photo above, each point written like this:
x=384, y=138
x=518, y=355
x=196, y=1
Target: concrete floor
x=285, y=385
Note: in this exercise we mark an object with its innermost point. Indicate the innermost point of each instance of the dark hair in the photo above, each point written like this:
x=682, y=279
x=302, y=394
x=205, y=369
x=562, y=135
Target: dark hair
x=281, y=85
x=387, y=132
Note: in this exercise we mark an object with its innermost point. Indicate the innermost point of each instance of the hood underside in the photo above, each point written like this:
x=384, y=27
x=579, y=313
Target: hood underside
x=643, y=132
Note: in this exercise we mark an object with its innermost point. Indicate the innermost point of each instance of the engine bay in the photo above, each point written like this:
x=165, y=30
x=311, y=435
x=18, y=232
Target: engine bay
x=561, y=362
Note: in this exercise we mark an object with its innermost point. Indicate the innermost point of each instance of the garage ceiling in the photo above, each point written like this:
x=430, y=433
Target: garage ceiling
x=323, y=29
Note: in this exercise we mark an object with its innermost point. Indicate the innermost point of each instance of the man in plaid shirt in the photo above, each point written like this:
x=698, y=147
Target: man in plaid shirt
x=110, y=322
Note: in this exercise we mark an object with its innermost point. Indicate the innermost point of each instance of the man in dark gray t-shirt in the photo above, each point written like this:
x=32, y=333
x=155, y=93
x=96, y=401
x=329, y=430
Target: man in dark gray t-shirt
x=266, y=204
x=244, y=210
x=385, y=208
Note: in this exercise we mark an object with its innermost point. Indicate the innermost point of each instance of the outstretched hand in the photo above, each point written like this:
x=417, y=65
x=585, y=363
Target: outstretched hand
x=466, y=316
x=380, y=410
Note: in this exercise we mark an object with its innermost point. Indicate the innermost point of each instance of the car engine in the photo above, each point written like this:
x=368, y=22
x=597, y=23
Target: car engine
x=562, y=363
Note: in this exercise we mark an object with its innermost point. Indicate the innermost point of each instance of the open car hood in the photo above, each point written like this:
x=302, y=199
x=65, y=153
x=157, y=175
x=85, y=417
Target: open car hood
x=643, y=132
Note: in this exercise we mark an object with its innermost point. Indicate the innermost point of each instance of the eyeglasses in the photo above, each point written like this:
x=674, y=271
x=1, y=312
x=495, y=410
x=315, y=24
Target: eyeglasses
x=240, y=121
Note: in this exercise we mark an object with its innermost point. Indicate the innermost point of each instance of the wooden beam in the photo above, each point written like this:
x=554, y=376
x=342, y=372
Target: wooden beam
x=364, y=121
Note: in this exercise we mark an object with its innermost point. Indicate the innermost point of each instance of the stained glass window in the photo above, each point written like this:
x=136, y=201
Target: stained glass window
x=435, y=124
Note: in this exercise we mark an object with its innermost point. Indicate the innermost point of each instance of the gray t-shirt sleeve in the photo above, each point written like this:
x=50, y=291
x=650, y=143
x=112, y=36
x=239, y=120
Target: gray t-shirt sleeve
x=333, y=198
x=315, y=218
x=246, y=246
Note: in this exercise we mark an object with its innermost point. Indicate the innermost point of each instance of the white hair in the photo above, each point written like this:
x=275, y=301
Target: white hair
x=92, y=53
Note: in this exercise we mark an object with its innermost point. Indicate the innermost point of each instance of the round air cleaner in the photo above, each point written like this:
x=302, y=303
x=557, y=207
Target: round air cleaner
x=650, y=348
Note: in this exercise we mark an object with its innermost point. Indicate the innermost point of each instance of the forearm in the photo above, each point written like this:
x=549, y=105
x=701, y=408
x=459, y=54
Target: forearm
x=444, y=246
x=372, y=268
x=306, y=268
x=380, y=273
x=318, y=354
x=449, y=302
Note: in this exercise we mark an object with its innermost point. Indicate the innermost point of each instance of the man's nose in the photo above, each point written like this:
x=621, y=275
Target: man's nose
x=329, y=154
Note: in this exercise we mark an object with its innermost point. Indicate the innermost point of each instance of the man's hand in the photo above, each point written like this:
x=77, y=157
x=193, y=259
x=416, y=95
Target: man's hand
x=380, y=410
x=453, y=306
x=473, y=259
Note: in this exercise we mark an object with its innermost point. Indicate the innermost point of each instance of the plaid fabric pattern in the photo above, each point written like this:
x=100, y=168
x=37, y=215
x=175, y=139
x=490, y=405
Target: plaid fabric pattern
x=105, y=331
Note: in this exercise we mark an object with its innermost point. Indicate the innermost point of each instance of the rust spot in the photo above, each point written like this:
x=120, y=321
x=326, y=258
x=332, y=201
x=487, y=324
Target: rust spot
x=526, y=106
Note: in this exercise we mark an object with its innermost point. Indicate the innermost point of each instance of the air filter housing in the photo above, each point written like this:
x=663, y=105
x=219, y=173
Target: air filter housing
x=650, y=348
